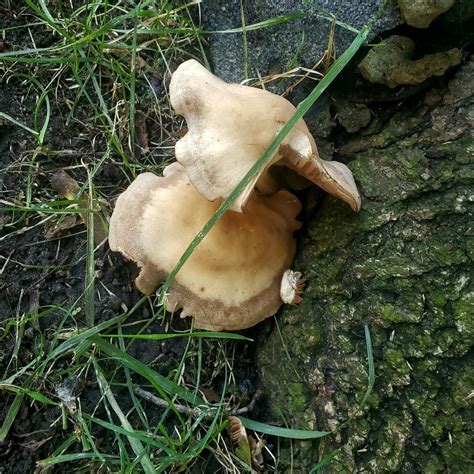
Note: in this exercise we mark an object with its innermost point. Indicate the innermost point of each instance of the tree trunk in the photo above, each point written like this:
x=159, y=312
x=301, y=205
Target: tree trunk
x=403, y=265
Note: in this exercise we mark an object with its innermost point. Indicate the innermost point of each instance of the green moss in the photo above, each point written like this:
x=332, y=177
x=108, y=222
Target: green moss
x=463, y=313
x=345, y=343
x=445, y=253
x=431, y=462
x=397, y=361
x=438, y=298
x=389, y=313
x=297, y=397
x=461, y=389
x=458, y=453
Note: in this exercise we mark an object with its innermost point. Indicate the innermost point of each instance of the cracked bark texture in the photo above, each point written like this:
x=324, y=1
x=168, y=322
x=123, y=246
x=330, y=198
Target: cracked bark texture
x=404, y=266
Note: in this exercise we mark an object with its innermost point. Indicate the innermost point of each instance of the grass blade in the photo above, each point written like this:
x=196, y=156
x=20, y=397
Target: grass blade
x=71, y=458
x=278, y=20
x=11, y=415
x=325, y=460
x=19, y=124
x=282, y=432
x=135, y=443
x=370, y=363
x=89, y=290
x=74, y=341
x=147, y=439
x=31, y=393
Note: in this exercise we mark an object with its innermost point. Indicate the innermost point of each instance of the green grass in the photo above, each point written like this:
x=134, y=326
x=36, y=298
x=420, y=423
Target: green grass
x=102, y=57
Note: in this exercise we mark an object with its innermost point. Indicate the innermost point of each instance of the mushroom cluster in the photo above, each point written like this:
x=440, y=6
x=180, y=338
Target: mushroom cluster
x=233, y=279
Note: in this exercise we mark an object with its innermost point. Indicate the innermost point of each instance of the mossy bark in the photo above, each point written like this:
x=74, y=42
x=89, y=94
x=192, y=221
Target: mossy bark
x=403, y=265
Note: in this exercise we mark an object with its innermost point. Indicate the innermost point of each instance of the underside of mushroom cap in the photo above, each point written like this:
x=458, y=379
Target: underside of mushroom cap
x=232, y=279
x=230, y=126
x=124, y=227
x=332, y=176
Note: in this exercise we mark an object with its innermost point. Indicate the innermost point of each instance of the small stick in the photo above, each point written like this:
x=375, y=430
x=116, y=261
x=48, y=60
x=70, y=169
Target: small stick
x=149, y=397
x=196, y=412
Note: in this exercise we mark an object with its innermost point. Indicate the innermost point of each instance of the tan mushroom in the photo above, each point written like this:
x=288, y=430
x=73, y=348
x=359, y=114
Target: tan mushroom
x=232, y=280
x=230, y=125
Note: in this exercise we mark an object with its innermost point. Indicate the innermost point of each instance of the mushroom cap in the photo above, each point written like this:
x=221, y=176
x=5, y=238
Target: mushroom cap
x=232, y=279
x=229, y=127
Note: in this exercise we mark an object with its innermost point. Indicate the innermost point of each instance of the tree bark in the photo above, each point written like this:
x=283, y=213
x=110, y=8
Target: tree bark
x=403, y=265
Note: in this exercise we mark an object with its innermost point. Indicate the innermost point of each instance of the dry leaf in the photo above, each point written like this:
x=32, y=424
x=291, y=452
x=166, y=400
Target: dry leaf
x=246, y=448
x=67, y=187
x=61, y=227
x=141, y=131
x=239, y=438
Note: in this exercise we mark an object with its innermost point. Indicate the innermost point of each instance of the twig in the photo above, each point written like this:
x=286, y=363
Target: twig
x=207, y=412
x=149, y=397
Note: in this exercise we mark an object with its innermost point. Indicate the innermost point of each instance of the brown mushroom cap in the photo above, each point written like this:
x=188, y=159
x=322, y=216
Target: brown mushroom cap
x=229, y=127
x=232, y=280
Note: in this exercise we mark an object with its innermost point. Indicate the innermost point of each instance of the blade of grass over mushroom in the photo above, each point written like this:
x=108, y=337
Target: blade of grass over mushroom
x=303, y=107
